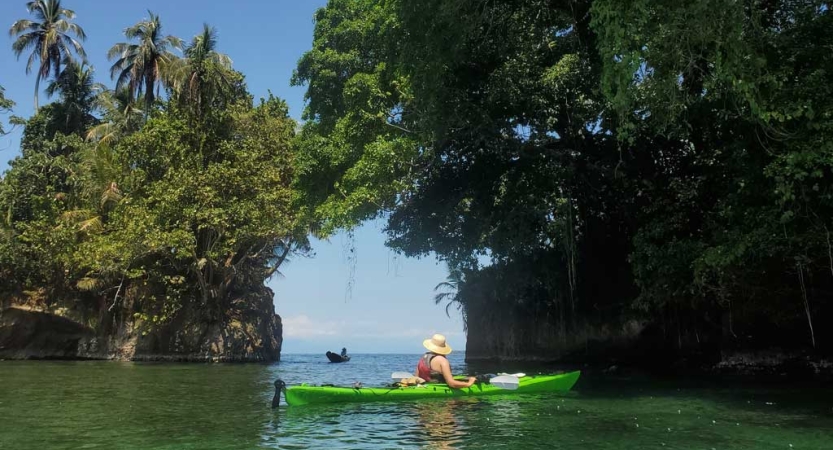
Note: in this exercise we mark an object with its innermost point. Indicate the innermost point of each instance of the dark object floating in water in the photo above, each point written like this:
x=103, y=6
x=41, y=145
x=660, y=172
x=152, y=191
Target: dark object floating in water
x=280, y=388
x=336, y=358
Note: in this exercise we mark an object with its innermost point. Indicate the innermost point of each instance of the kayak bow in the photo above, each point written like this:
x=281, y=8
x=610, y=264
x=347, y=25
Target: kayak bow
x=305, y=394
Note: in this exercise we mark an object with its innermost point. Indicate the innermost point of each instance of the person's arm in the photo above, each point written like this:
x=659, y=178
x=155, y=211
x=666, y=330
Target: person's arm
x=449, y=379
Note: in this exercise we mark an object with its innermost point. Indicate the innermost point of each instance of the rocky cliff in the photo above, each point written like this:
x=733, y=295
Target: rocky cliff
x=33, y=326
x=503, y=333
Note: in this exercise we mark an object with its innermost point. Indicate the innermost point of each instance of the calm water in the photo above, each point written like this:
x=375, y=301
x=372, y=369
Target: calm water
x=62, y=405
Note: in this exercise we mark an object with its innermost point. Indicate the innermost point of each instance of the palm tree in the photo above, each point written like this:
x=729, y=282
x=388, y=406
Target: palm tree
x=48, y=38
x=204, y=72
x=77, y=90
x=121, y=117
x=141, y=66
x=97, y=197
x=451, y=291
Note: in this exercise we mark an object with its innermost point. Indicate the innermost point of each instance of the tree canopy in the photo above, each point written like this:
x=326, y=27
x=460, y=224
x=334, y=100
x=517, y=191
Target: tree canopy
x=576, y=164
x=680, y=152
x=6, y=106
x=118, y=210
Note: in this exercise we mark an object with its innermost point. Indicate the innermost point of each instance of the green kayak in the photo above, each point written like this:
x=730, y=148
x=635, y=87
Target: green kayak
x=305, y=394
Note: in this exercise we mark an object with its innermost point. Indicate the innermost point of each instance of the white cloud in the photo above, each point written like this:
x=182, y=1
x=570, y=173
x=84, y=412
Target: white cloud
x=303, y=327
x=415, y=333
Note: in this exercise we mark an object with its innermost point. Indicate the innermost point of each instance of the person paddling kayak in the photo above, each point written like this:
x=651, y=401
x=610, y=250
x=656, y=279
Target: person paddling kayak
x=434, y=366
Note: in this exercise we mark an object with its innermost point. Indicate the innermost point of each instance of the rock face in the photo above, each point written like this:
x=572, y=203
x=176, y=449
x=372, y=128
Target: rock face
x=247, y=331
x=26, y=333
x=506, y=336
x=499, y=339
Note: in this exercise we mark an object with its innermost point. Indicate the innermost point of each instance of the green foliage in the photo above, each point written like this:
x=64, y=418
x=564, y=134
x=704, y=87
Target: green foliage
x=672, y=157
x=205, y=75
x=663, y=58
x=172, y=211
x=77, y=91
x=443, y=130
x=6, y=106
x=219, y=216
x=572, y=162
x=187, y=206
x=354, y=99
x=120, y=117
x=743, y=84
x=36, y=191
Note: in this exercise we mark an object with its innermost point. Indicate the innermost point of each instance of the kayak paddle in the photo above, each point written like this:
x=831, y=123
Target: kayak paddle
x=509, y=382
x=400, y=375
x=505, y=381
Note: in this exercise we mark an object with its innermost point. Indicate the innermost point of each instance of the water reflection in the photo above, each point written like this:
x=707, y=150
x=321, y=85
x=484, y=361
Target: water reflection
x=433, y=424
x=441, y=422
x=339, y=426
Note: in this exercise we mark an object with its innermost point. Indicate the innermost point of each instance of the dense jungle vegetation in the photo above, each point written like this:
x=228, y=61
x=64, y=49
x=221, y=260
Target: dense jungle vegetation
x=172, y=188
x=576, y=163
x=662, y=161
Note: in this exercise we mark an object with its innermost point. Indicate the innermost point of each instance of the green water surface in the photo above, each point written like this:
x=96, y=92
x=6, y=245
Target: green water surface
x=75, y=405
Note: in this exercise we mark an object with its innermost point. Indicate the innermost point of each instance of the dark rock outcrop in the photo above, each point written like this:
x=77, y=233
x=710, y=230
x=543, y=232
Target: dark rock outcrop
x=26, y=333
x=506, y=337
x=500, y=339
x=248, y=330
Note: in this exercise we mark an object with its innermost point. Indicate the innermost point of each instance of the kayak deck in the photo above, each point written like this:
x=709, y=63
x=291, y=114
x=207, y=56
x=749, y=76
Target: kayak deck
x=305, y=394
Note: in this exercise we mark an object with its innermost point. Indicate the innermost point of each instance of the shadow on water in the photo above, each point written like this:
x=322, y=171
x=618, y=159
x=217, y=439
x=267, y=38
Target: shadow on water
x=803, y=395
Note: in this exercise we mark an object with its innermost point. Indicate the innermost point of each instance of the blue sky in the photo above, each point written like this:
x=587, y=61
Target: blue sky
x=390, y=307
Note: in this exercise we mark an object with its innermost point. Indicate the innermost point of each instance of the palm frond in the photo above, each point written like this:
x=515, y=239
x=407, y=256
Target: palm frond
x=445, y=285
x=174, y=42
x=120, y=50
x=110, y=196
x=91, y=225
x=69, y=42
x=20, y=26
x=30, y=61
x=134, y=32
x=442, y=296
x=77, y=31
x=77, y=215
x=25, y=42
x=89, y=284
x=68, y=13
x=102, y=133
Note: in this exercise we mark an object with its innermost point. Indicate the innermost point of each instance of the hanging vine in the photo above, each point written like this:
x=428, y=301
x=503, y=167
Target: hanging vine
x=351, y=256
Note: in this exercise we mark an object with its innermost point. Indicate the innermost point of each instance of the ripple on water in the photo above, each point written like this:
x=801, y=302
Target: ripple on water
x=54, y=405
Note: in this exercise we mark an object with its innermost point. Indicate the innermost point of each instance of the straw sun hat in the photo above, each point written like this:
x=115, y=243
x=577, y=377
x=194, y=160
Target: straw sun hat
x=437, y=345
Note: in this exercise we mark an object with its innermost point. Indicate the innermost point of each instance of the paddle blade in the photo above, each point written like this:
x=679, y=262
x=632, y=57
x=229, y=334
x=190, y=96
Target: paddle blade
x=519, y=374
x=401, y=375
x=508, y=382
